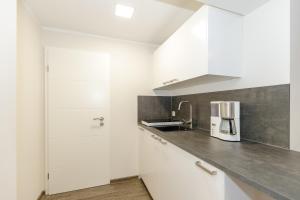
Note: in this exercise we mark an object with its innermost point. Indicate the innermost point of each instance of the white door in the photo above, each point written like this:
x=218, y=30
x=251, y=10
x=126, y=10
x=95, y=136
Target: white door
x=78, y=117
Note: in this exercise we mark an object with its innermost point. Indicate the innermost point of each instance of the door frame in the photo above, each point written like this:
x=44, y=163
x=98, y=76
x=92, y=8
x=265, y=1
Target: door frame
x=46, y=68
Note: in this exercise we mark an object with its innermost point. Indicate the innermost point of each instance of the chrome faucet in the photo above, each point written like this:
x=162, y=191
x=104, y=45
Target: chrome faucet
x=190, y=121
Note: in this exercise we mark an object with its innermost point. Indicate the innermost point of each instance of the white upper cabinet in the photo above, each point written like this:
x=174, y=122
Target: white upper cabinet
x=208, y=45
x=242, y=7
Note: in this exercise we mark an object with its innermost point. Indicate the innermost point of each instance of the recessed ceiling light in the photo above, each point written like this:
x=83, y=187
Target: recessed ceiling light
x=124, y=11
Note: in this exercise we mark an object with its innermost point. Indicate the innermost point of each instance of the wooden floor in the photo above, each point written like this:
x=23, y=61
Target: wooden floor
x=131, y=189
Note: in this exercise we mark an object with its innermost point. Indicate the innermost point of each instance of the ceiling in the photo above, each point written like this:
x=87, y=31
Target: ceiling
x=153, y=21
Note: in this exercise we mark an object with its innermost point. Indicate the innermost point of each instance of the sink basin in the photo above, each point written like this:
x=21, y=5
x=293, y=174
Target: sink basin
x=161, y=123
x=165, y=125
x=171, y=128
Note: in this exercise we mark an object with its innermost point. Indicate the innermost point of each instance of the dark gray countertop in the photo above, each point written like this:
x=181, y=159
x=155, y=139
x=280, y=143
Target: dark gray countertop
x=271, y=170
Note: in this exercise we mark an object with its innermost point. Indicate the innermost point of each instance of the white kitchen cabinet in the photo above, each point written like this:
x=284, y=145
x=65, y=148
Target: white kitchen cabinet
x=150, y=163
x=188, y=181
x=171, y=173
x=147, y=160
x=153, y=165
x=206, y=47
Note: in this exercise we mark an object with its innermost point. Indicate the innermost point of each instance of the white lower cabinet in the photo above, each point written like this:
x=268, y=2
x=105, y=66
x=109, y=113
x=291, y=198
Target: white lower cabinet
x=150, y=163
x=170, y=173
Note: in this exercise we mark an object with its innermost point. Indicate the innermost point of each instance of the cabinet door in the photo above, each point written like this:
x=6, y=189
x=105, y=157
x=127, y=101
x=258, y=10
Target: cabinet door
x=171, y=173
x=208, y=44
x=163, y=72
x=150, y=164
x=190, y=47
x=142, y=152
x=185, y=54
x=147, y=159
x=186, y=180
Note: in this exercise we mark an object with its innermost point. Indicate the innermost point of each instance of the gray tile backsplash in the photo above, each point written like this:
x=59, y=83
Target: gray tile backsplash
x=265, y=111
x=154, y=107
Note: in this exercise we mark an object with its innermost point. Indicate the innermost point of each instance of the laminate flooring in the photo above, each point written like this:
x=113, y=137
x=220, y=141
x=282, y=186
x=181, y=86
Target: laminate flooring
x=130, y=189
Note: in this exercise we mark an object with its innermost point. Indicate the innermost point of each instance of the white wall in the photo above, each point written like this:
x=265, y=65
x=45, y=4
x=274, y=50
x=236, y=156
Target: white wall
x=8, y=30
x=266, y=50
x=130, y=76
x=295, y=74
x=30, y=107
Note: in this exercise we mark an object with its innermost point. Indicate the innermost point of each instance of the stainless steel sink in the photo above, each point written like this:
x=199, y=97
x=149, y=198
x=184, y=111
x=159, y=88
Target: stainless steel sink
x=161, y=123
x=171, y=128
x=166, y=125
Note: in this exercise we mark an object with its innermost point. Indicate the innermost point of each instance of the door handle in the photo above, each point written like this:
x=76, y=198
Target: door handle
x=101, y=119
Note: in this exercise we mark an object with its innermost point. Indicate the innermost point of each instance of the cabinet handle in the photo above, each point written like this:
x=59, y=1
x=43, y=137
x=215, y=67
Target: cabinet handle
x=165, y=83
x=171, y=81
x=174, y=80
x=161, y=141
x=211, y=172
x=153, y=136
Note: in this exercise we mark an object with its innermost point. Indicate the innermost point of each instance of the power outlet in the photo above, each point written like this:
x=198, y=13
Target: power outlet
x=173, y=114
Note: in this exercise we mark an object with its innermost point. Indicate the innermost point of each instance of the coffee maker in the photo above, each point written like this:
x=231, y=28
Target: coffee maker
x=225, y=120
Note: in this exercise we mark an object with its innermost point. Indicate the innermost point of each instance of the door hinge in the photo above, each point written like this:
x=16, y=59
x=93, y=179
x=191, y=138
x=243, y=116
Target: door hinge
x=48, y=176
x=47, y=68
